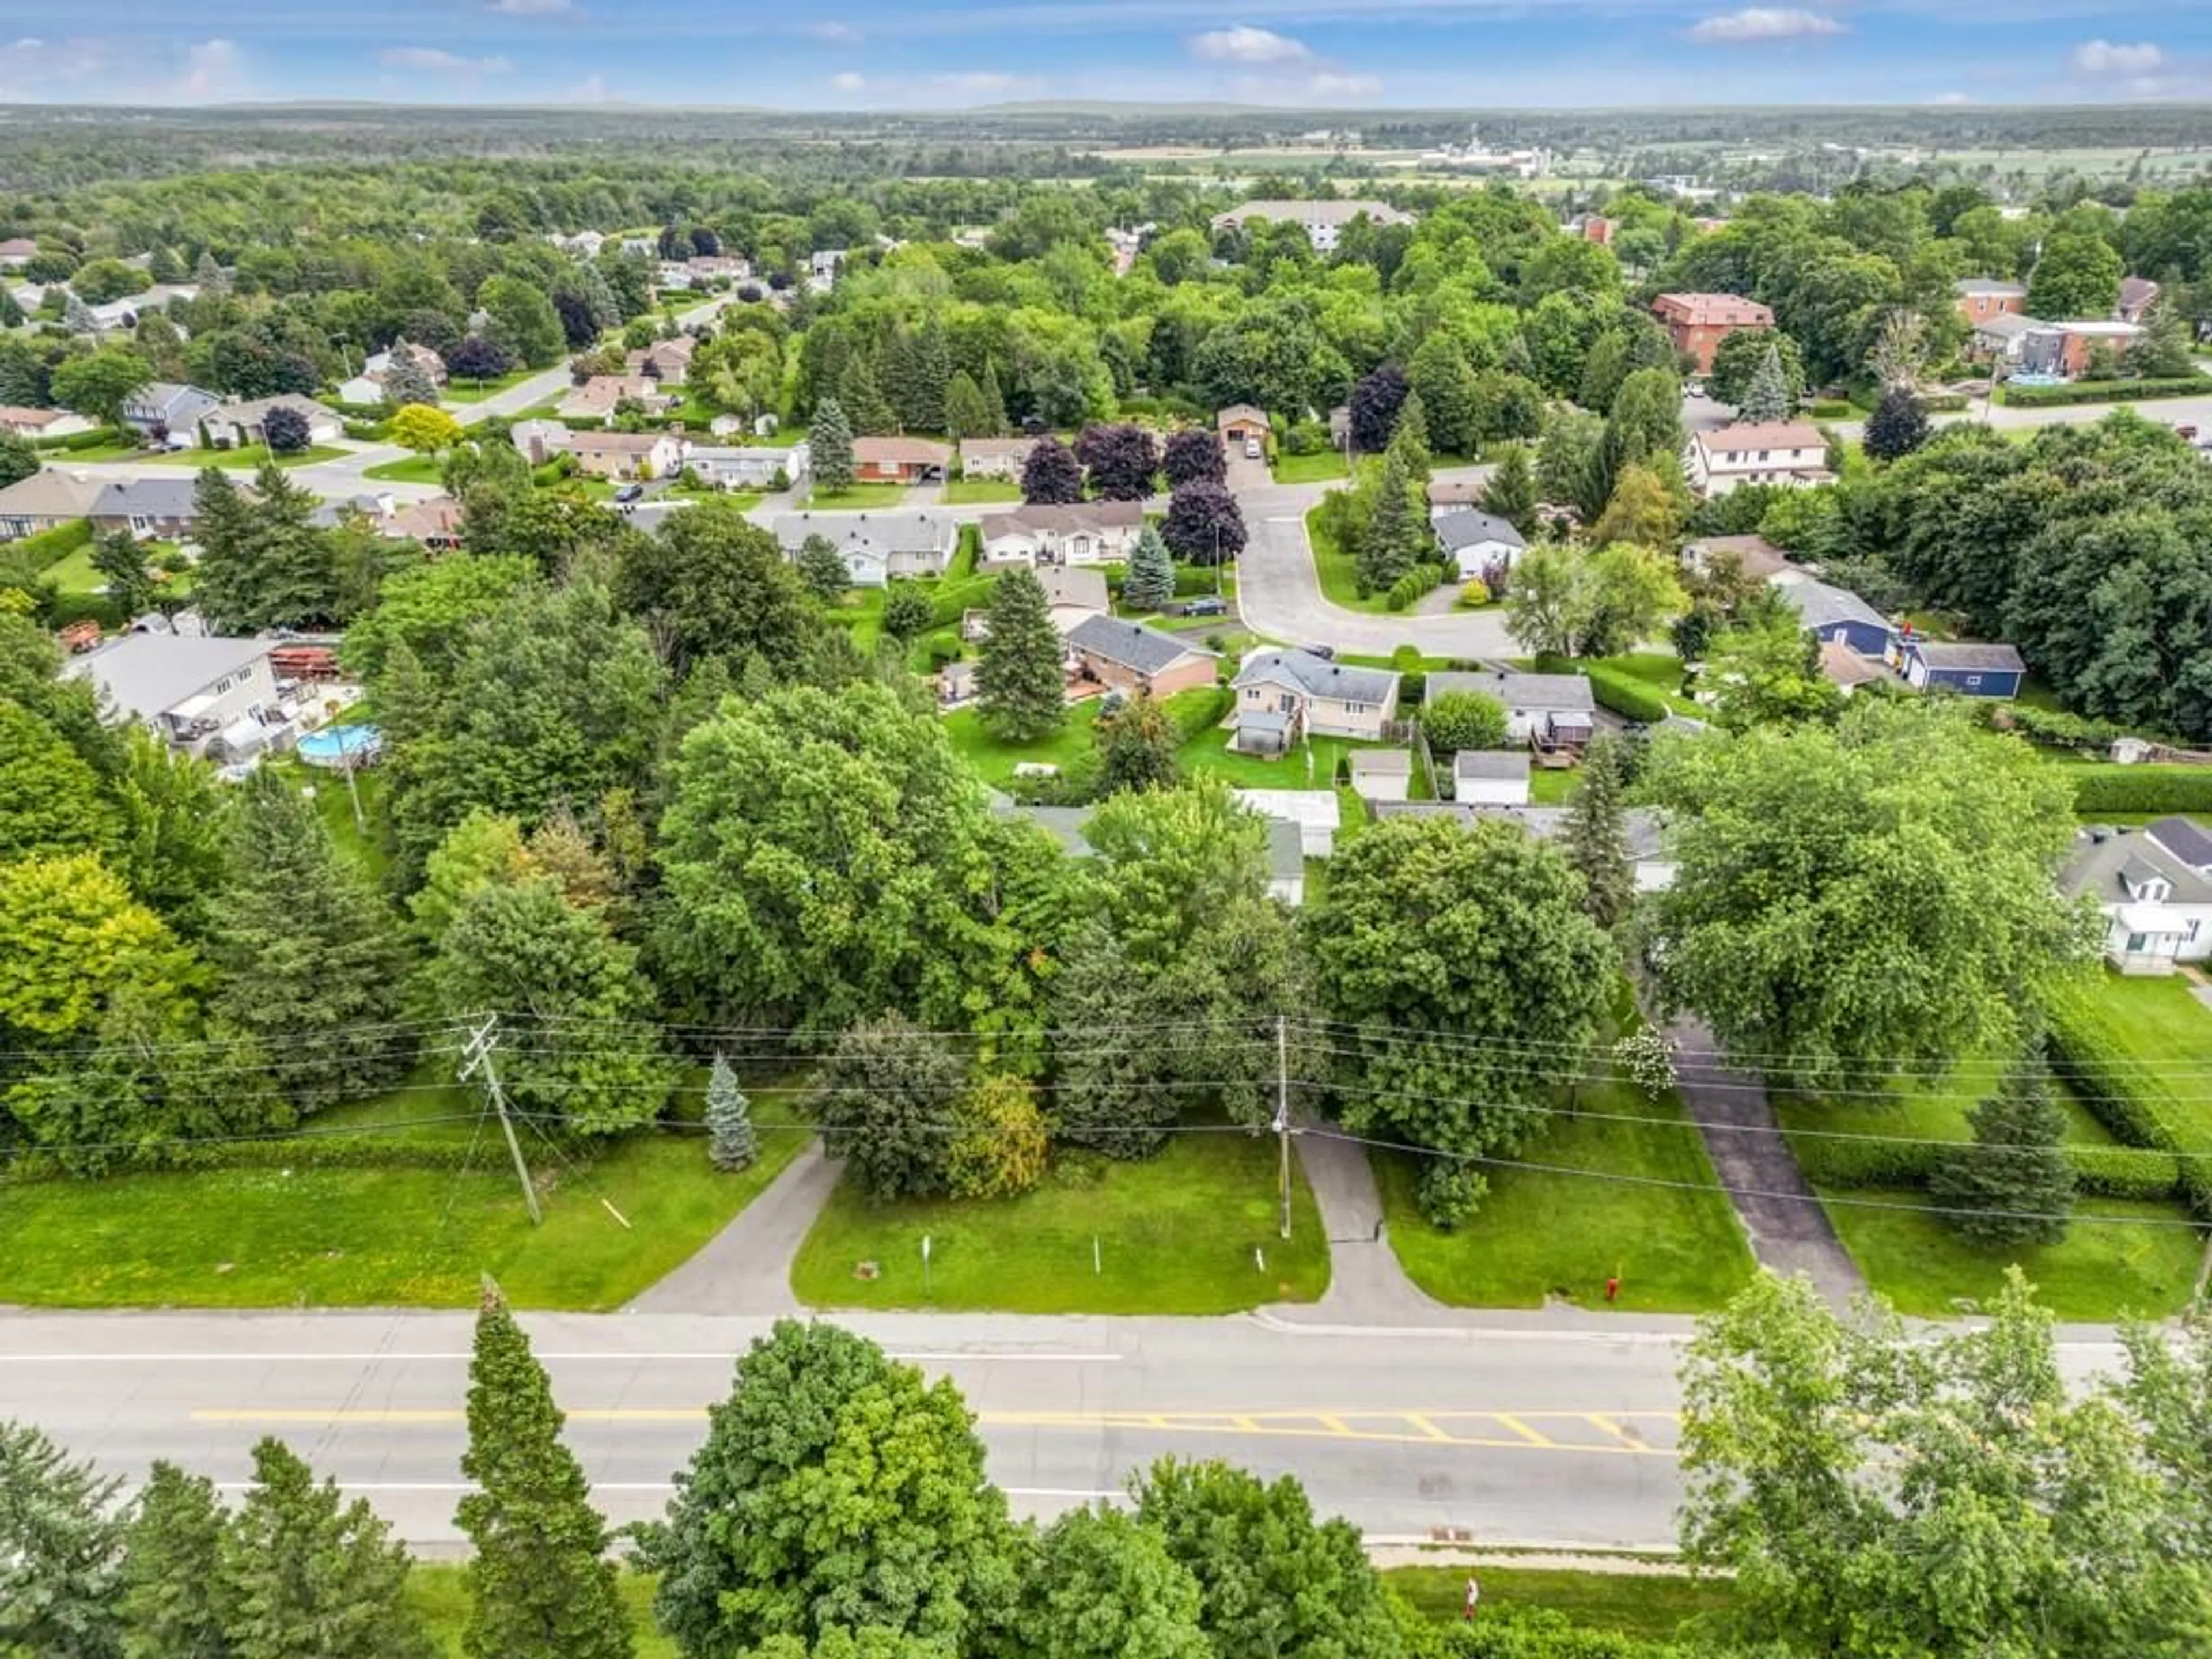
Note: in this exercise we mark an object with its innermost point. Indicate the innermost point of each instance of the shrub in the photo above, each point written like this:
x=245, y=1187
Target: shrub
x=908, y=610
x=2125, y=1171
x=2136, y=1102
x=1464, y=720
x=1451, y=1192
x=1306, y=437
x=1625, y=695
x=2113, y=788
x=2104, y=391
x=944, y=647
x=1474, y=591
x=77, y=441
x=52, y=546
x=2055, y=726
x=1831, y=1161
x=1192, y=712
x=1193, y=580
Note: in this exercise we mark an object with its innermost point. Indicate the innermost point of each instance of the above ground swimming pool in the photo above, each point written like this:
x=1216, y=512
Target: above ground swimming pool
x=336, y=744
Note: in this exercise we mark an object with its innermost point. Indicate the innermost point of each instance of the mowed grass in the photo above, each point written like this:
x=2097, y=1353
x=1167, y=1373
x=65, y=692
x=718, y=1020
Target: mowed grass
x=1310, y=469
x=266, y=1238
x=981, y=492
x=415, y=469
x=1174, y=1234
x=474, y=391
x=855, y=498
x=994, y=760
x=248, y=458
x=438, y=1591
x=1337, y=568
x=1648, y=1605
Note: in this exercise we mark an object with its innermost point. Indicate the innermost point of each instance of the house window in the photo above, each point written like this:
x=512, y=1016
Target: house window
x=2134, y=943
x=1762, y=454
x=1973, y=679
x=1355, y=708
x=2188, y=933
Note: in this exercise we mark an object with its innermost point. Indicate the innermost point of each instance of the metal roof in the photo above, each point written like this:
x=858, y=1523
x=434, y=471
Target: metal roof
x=149, y=674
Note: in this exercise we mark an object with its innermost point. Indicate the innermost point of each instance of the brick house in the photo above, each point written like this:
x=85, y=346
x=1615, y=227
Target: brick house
x=1697, y=323
x=1126, y=656
x=1980, y=298
x=900, y=461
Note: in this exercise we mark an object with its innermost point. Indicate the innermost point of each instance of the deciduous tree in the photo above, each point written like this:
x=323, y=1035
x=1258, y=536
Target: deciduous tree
x=822, y=569
x=1102, y=1585
x=1194, y=454
x=1897, y=426
x=285, y=430
x=1463, y=719
x=1121, y=460
x=1374, y=406
x=1052, y=477
x=1205, y=525
x=425, y=428
x=709, y=581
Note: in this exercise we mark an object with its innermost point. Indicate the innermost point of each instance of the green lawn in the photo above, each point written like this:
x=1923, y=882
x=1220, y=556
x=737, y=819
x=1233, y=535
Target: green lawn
x=995, y=761
x=415, y=469
x=1540, y=1235
x=1651, y=1605
x=438, y=1591
x=248, y=458
x=1309, y=469
x=857, y=497
x=1662, y=671
x=1209, y=752
x=979, y=492
x=474, y=391
x=1339, y=582
x=2155, y=1019
x=1174, y=1234
x=1551, y=786
x=58, y=456
x=272, y=1238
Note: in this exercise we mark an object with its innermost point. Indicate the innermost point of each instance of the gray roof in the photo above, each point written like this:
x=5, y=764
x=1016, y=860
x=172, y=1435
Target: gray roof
x=1063, y=823
x=2106, y=861
x=1133, y=645
x=1043, y=517
x=2185, y=839
x=1987, y=285
x=2007, y=323
x=880, y=532
x=148, y=498
x=1286, y=851
x=1966, y=653
x=1641, y=824
x=1491, y=763
x=1469, y=527
x=1557, y=692
x=1318, y=676
x=148, y=674
x=1821, y=604
x=1383, y=762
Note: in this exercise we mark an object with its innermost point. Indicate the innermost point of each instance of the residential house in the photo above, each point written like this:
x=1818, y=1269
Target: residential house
x=1382, y=773
x=163, y=409
x=1652, y=870
x=1323, y=222
x=112, y=315
x=624, y=454
x=1130, y=657
x=600, y=398
x=368, y=387
x=995, y=458
x=876, y=546
x=1754, y=556
x=1315, y=814
x=2002, y=338
x=1239, y=424
x=36, y=423
x=2137, y=296
x=1086, y=532
x=1286, y=862
x=243, y=423
x=185, y=688
x=823, y=266
x=45, y=500
x=159, y=509
x=1847, y=670
x=1977, y=299
x=668, y=361
x=1451, y=494
x=2186, y=839
x=2064, y=348
x=1491, y=777
x=1286, y=843
x=1970, y=669
x=1284, y=695
x=1835, y=615
x=900, y=461
x=1697, y=323
x=539, y=441
x=1758, y=452
x=434, y=524
x=2157, y=907
x=749, y=468
x=17, y=251
x=1072, y=595
x=1478, y=543
x=1597, y=228
x=1552, y=709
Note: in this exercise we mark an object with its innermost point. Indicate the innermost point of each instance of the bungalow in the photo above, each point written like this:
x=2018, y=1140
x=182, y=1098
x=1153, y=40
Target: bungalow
x=1758, y=452
x=2137, y=296
x=624, y=454
x=994, y=458
x=1382, y=773
x=244, y=424
x=1491, y=777
x=368, y=387
x=184, y=688
x=876, y=546
x=2157, y=907
x=668, y=361
x=539, y=441
x=601, y=397
x=1651, y=869
x=1980, y=298
x=1239, y=423
x=161, y=509
x=1554, y=709
x=749, y=467
x=1282, y=695
x=36, y=423
x=1086, y=532
x=434, y=524
x=1449, y=495
x=1478, y=543
x=1835, y=614
x=17, y=251
x=164, y=408
x=1073, y=596
x=1754, y=556
x=1314, y=813
x=1972, y=670
x=46, y=501
x=900, y=461
x=1126, y=656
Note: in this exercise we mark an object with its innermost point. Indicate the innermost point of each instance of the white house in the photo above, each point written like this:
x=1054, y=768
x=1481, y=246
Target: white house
x=243, y=423
x=1491, y=777
x=1758, y=452
x=34, y=424
x=994, y=458
x=1315, y=812
x=745, y=467
x=187, y=688
x=165, y=408
x=1477, y=541
x=2157, y=905
x=876, y=546
x=1086, y=533
x=1323, y=222
x=1555, y=708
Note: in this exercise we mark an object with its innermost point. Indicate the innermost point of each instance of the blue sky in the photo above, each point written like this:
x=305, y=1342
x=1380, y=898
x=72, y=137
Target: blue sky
x=882, y=54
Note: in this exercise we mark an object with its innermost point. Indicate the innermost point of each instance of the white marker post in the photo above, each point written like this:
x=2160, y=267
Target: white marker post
x=925, y=1267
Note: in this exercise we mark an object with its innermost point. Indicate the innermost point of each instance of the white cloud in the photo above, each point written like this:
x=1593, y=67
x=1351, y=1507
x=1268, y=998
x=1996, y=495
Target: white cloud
x=210, y=68
x=1344, y=83
x=975, y=80
x=120, y=70
x=1949, y=98
x=2112, y=58
x=837, y=34
x=848, y=81
x=437, y=61
x=1248, y=45
x=532, y=8
x=1764, y=23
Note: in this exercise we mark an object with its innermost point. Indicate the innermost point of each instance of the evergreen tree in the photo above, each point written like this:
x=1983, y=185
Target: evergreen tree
x=1596, y=837
x=1897, y=426
x=965, y=413
x=226, y=583
x=18, y=460
x=822, y=570
x=305, y=1572
x=1150, y=585
x=1020, y=687
x=1509, y=493
x=2013, y=1184
x=1118, y=1101
x=1411, y=439
x=889, y=1093
x=592, y=283
x=120, y=556
x=310, y=959
x=210, y=275
x=1767, y=397
x=1052, y=477
x=61, y=1549
x=295, y=572
x=77, y=317
x=171, y=1605
x=925, y=409
x=406, y=381
x=995, y=402
x=862, y=398
x=1392, y=542
x=541, y=1585
x=829, y=442
x=731, y=1143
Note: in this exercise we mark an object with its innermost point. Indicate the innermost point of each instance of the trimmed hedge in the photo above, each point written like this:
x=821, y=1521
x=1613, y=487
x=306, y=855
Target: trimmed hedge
x=2109, y=788
x=2125, y=1171
x=1625, y=695
x=50, y=547
x=2104, y=391
x=1197, y=711
x=2134, y=1172
x=2136, y=1102
x=77, y=441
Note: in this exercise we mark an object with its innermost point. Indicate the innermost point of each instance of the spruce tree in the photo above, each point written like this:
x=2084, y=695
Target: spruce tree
x=406, y=381
x=1020, y=686
x=310, y=958
x=822, y=569
x=2013, y=1184
x=120, y=557
x=294, y=570
x=995, y=402
x=862, y=398
x=226, y=582
x=172, y=1604
x=932, y=372
x=61, y=1546
x=1767, y=397
x=77, y=317
x=1511, y=492
x=731, y=1143
x=1411, y=439
x=541, y=1583
x=1150, y=585
x=830, y=446
x=1391, y=543
x=208, y=275
x=1596, y=837
x=305, y=1572
x=965, y=416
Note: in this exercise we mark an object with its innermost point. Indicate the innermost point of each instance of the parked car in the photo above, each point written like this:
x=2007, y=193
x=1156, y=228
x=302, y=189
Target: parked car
x=2188, y=432
x=1326, y=652
x=1253, y=452
x=628, y=493
x=1209, y=605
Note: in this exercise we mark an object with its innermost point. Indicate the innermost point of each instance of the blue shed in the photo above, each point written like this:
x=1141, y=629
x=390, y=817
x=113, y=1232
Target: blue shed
x=1838, y=616
x=1970, y=669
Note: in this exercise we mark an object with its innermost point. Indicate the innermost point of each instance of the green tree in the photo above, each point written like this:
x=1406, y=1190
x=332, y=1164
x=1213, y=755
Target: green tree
x=710, y=582
x=171, y=1603
x=1396, y=535
x=732, y=1144
x=51, y=801
x=425, y=428
x=1510, y=492
x=1628, y=593
x=1136, y=745
x=1782, y=836
x=1463, y=719
x=1768, y=395
x=830, y=446
x=1641, y=509
x=836, y=1490
x=1897, y=426
x=406, y=381
x=310, y=959
x=822, y=569
x=18, y=460
x=523, y=319
x=120, y=557
x=61, y=1551
x=76, y=944
x=1596, y=839
x=2012, y=1184
x=263, y=560
x=1449, y=395
x=891, y=1098
x=1020, y=685
x=2076, y=277
x=1103, y=1586
x=99, y=382
x=966, y=415
x=1272, y=1580
x=1644, y=427
x=1150, y=585
x=432, y=607
x=1765, y=671
x=304, y=1572
x=541, y=1585
x=1547, y=607
x=908, y=610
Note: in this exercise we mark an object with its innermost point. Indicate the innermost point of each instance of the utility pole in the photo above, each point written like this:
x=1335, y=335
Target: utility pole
x=349, y=761
x=1283, y=1115
x=478, y=1052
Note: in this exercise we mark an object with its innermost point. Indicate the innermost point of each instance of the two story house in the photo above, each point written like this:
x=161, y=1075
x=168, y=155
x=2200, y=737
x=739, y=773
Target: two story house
x=1758, y=452
x=1282, y=695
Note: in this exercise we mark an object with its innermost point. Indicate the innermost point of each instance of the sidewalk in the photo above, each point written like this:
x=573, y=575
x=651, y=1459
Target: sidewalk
x=746, y=1267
